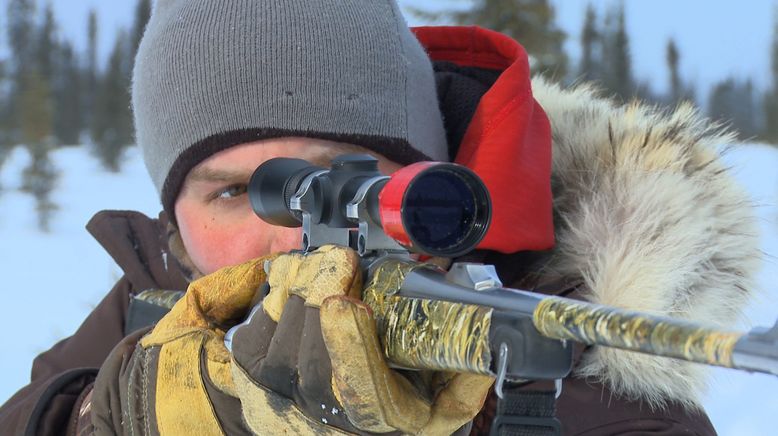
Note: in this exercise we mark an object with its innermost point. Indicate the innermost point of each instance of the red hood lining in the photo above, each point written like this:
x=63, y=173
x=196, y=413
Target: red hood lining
x=470, y=46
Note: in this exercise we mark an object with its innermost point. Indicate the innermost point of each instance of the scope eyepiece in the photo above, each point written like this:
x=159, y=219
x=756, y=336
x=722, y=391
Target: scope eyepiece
x=272, y=186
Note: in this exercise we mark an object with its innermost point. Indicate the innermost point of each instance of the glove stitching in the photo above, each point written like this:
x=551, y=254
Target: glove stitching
x=129, y=401
x=145, y=375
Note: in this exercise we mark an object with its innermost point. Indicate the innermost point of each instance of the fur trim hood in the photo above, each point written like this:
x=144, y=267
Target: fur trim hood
x=647, y=216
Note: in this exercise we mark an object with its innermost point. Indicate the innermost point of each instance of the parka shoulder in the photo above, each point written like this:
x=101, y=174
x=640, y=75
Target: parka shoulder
x=139, y=246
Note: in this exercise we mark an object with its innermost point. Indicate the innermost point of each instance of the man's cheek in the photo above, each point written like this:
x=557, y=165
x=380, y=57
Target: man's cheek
x=212, y=249
x=287, y=239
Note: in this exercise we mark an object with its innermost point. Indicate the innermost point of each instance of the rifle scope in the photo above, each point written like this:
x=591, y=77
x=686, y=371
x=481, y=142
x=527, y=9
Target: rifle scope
x=435, y=208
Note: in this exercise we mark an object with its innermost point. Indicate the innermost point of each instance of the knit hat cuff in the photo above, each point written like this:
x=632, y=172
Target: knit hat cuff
x=394, y=149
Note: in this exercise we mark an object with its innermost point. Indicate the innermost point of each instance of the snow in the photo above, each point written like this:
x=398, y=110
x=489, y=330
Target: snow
x=50, y=282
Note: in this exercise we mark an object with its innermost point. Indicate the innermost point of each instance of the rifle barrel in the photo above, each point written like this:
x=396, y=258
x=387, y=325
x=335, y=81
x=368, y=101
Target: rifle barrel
x=593, y=324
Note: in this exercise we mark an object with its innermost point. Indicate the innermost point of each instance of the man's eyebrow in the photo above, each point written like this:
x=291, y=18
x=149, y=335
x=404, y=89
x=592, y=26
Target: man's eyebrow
x=206, y=174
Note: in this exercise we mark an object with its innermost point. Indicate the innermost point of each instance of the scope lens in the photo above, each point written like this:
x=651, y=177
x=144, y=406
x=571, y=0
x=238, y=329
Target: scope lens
x=446, y=210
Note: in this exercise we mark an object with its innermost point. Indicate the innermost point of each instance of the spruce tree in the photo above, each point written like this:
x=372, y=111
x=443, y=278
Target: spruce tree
x=39, y=180
x=46, y=44
x=35, y=109
x=679, y=90
x=112, y=123
x=732, y=102
x=40, y=177
x=68, y=107
x=770, y=101
x=590, y=47
x=92, y=33
x=21, y=36
x=33, y=50
x=5, y=110
x=42, y=79
x=616, y=55
x=142, y=15
x=21, y=41
x=90, y=76
x=530, y=22
x=673, y=58
x=5, y=102
x=111, y=127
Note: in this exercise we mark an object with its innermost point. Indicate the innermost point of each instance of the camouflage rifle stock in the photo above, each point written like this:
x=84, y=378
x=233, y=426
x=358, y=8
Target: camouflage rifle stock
x=463, y=320
x=428, y=321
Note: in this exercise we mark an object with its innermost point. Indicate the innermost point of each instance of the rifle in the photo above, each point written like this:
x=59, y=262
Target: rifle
x=463, y=319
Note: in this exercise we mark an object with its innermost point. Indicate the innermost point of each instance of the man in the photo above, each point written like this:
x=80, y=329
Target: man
x=643, y=217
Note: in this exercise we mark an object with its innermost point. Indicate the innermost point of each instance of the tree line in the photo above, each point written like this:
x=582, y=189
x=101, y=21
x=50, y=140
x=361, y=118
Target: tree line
x=606, y=60
x=52, y=95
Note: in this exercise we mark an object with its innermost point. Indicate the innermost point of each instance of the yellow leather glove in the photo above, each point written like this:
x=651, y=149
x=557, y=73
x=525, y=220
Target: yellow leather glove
x=166, y=385
x=307, y=361
x=310, y=357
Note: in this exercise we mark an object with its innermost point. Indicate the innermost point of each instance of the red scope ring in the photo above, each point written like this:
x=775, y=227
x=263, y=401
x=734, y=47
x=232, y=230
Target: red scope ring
x=390, y=201
x=391, y=204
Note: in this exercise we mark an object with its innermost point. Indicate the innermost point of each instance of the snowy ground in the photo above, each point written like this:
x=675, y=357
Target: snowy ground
x=50, y=282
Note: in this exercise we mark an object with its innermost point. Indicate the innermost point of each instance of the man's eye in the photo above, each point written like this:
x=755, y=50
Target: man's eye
x=232, y=191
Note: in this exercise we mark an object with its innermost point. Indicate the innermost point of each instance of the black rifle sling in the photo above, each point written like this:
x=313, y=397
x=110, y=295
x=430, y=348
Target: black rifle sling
x=526, y=413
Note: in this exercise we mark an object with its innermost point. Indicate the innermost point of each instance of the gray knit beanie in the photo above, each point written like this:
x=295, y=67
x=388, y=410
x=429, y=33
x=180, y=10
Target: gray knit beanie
x=213, y=74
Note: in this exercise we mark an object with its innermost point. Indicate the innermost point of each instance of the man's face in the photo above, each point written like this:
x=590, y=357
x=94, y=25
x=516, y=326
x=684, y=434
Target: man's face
x=218, y=226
